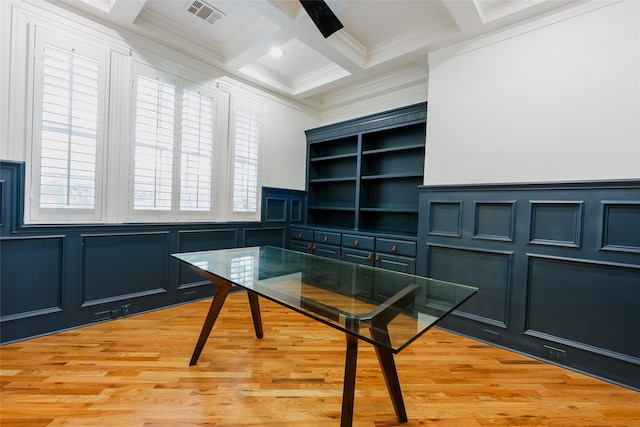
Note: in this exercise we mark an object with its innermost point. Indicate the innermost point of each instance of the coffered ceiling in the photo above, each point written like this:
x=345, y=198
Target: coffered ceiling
x=383, y=42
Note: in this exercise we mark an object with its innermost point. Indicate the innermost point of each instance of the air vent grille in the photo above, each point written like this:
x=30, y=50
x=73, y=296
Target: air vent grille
x=205, y=11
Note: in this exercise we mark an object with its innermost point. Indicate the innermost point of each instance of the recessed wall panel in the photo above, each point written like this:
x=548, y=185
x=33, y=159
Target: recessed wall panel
x=30, y=276
x=118, y=266
x=202, y=240
x=275, y=209
x=556, y=223
x=264, y=236
x=445, y=218
x=592, y=303
x=494, y=220
x=490, y=271
x=621, y=226
x=296, y=210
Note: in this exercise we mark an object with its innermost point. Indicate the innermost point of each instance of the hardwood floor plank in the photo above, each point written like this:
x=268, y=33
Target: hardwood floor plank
x=134, y=372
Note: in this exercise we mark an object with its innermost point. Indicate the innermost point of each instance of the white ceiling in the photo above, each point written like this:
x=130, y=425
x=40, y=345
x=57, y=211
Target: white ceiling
x=380, y=38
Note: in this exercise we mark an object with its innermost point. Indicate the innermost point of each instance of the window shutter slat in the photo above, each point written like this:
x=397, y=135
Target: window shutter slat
x=245, y=171
x=69, y=129
x=154, y=140
x=196, y=179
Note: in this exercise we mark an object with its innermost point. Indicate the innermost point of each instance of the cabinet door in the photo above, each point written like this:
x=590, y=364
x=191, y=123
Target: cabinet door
x=396, y=263
x=357, y=256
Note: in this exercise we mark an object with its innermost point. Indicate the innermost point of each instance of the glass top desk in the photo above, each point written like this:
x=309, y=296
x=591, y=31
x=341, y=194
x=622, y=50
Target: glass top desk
x=384, y=308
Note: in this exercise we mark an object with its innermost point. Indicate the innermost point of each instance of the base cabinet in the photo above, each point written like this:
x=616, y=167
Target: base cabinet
x=318, y=242
x=390, y=253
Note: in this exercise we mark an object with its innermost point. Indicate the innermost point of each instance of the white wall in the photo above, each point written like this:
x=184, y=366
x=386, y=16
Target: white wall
x=554, y=101
x=287, y=146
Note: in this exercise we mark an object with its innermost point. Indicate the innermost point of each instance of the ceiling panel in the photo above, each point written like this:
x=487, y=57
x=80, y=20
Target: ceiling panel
x=379, y=36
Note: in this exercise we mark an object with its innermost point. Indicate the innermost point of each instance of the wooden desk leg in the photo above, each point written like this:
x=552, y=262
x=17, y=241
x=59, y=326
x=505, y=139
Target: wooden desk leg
x=349, y=387
x=388, y=367
x=222, y=290
x=255, y=313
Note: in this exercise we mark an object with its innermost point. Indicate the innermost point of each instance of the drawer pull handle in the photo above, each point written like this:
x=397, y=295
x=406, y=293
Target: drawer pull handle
x=315, y=247
x=369, y=257
x=378, y=258
x=394, y=248
x=309, y=246
x=356, y=243
x=325, y=239
x=299, y=235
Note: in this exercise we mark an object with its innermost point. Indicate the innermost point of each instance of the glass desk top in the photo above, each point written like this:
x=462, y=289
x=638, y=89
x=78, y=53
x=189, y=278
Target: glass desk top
x=382, y=307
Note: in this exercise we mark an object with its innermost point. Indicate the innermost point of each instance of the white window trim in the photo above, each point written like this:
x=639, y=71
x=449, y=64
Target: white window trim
x=113, y=167
x=175, y=214
x=33, y=212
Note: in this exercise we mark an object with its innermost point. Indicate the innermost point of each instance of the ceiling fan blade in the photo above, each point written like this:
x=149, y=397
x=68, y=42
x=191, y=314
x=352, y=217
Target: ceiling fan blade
x=324, y=18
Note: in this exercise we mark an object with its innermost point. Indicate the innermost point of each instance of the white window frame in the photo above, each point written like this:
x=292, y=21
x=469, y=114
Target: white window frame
x=35, y=213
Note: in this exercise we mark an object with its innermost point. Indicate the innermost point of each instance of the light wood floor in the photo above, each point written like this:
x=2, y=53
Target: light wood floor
x=134, y=372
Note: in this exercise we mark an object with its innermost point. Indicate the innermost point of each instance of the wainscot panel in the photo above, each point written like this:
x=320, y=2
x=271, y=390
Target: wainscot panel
x=584, y=302
x=35, y=263
x=57, y=277
x=621, y=226
x=494, y=221
x=487, y=270
x=265, y=236
x=136, y=266
x=202, y=240
x=557, y=264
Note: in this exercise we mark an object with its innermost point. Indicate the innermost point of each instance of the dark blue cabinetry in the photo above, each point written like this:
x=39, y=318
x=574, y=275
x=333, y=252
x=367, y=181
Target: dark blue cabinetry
x=363, y=174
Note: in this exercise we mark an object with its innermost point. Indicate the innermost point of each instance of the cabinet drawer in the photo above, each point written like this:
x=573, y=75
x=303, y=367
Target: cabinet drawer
x=301, y=234
x=326, y=237
x=397, y=247
x=402, y=264
x=357, y=242
x=357, y=256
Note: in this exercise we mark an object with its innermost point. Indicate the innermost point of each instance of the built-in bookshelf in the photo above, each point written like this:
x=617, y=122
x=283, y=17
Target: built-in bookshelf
x=364, y=174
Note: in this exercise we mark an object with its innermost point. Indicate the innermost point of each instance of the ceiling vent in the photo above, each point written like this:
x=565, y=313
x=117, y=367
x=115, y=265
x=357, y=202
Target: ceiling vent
x=205, y=11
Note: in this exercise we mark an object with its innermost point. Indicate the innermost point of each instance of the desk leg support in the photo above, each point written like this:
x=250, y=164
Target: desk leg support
x=388, y=367
x=255, y=313
x=222, y=290
x=349, y=388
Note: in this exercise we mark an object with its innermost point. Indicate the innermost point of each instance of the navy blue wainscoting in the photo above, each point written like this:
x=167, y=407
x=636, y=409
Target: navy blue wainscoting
x=58, y=277
x=557, y=264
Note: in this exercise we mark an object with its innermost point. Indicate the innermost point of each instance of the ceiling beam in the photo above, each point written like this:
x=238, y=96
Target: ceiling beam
x=466, y=14
x=125, y=12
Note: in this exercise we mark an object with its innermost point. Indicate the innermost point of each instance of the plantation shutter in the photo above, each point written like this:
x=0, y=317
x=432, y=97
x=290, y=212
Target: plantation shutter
x=196, y=152
x=154, y=144
x=69, y=127
x=248, y=128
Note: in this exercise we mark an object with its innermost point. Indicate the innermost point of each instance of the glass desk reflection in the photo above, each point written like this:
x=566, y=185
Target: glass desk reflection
x=384, y=308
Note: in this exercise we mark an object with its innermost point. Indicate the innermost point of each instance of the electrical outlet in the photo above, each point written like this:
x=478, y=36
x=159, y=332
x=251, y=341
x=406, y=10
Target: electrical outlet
x=554, y=353
x=125, y=309
x=491, y=335
x=189, y=295
x=102, y=315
